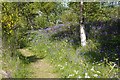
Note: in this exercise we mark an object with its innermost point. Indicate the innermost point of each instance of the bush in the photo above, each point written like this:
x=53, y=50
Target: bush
x=69, y=16
x=41, y=22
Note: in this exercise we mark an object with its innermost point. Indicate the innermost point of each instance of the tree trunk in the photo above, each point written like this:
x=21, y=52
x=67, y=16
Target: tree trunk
x=82, y=31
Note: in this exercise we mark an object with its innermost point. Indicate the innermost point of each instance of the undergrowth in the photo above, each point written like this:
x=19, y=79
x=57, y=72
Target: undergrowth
x=14, y=66
x=84, y=62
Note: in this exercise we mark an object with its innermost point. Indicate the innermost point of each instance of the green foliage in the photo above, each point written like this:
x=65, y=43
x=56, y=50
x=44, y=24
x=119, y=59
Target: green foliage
x=69, y=17
x=84, y=62
x=93, y=11
x=53, y=19
x=41, y=22
x=9, y=19
x=47, y=7
x=14, y=66
x=15, y=25
x=39, y=50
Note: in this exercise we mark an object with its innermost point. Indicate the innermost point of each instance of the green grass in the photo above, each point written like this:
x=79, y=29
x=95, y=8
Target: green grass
x=15, y=66
x=84, y=62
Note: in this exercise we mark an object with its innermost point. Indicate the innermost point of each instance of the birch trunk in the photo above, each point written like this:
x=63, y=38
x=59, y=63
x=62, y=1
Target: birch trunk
x=82, y=31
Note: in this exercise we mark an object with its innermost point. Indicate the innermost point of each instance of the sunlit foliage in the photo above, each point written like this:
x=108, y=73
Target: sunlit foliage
x=51, y=30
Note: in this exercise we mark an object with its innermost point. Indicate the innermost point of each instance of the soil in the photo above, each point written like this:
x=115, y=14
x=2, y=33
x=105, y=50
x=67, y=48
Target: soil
x=40, y=68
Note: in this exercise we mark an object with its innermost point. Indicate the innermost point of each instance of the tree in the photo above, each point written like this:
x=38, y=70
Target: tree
x=82, y=31
x=15, y=22
x=9, y=25
x=77, y=8
x=49, y=14
x=92, y=12
x=47, y=8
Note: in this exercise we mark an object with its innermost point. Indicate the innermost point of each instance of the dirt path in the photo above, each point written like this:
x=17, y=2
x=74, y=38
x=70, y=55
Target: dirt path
x=41, y=68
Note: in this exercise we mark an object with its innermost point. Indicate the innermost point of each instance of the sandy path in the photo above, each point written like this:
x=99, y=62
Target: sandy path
x=41, y=68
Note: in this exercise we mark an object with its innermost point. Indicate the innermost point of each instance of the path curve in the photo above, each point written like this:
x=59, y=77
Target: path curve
x=41, y=68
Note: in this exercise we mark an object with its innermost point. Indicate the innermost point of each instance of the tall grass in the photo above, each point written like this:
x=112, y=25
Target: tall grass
x=83, y=62
x=14, y=66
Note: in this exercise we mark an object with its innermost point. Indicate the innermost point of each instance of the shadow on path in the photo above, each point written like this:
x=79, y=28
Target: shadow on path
x=40, y=67
x=27, y=57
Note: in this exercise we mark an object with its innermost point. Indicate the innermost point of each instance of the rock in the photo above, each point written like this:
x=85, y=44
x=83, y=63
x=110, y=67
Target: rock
x=5, y=74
